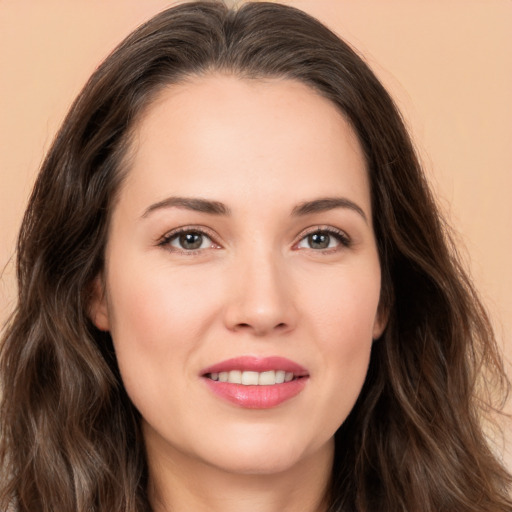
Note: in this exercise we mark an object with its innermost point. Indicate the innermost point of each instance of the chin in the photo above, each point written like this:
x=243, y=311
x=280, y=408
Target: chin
x=263, y=464
x=266, y=457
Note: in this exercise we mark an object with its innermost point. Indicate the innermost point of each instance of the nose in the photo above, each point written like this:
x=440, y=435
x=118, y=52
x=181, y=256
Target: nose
x=261, y=296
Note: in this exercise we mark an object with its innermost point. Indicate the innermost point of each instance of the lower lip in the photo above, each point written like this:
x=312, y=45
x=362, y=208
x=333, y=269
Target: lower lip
x=257, y=397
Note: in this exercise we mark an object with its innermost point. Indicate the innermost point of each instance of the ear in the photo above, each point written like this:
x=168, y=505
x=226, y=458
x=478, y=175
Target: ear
x=381, y=321
x=98, y=307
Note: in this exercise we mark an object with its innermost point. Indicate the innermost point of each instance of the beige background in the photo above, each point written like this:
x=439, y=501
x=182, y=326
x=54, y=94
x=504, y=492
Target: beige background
x=448, y=63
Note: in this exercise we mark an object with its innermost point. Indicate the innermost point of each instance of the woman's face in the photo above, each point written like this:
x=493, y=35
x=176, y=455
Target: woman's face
x=241, y=253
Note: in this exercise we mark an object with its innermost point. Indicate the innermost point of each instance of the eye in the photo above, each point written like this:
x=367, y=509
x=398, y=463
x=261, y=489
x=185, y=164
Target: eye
x=322, y=239
x=188, y=240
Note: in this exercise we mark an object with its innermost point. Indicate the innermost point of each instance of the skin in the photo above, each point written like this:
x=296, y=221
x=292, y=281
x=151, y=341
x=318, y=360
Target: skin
x=257, y=286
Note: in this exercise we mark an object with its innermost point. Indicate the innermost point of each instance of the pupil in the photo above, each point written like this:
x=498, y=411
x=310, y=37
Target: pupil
x=319, y=241
x=191, y=240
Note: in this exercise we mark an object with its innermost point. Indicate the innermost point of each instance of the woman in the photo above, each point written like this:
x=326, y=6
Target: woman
x=235, y=291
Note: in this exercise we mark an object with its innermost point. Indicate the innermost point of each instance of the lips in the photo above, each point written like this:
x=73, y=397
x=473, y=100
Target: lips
x=255, y=382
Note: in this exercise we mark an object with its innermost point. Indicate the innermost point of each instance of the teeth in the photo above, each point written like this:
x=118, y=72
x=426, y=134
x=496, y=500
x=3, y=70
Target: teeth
x=267, y=378
x=280, y=374
x=250, y=378
x=253, y=378
x=235, y=377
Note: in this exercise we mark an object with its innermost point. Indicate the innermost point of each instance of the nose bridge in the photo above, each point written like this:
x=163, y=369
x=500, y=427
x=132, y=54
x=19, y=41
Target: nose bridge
x=261, y=298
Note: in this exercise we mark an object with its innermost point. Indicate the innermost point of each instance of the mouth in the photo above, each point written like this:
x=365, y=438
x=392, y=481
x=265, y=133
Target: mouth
x=251, y=378
x=255, y=382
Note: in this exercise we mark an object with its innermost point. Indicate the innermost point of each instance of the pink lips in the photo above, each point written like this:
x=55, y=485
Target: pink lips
x=257, y=364
x=257, y=397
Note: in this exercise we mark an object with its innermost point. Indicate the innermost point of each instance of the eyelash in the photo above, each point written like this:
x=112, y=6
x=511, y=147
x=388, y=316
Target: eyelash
x=343, y=239
x=166, y=240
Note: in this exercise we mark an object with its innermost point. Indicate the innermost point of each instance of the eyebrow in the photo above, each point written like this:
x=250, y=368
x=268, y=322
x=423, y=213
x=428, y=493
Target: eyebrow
x=187, y=203
x=218, y=208
x=325, y=204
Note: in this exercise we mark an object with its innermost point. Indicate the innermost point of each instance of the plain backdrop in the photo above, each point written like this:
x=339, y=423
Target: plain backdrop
x=447, y=63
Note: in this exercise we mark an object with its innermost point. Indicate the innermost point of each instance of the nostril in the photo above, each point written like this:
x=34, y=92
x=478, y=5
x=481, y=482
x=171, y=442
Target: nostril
x=260, y=329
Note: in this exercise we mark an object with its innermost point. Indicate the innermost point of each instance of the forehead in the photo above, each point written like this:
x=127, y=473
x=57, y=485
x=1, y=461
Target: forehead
x=222, y=135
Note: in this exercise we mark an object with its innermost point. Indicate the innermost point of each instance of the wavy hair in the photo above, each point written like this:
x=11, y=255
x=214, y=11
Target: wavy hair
x=70, y=437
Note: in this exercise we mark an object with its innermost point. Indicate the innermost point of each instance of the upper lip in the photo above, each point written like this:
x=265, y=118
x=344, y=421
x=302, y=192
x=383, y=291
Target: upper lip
x=257, y=364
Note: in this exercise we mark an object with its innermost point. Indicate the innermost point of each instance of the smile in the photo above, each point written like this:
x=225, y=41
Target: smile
x=249, y=378
x=256, y=382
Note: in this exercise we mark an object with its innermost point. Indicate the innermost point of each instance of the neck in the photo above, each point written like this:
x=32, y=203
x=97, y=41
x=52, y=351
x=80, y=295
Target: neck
x=179, y=484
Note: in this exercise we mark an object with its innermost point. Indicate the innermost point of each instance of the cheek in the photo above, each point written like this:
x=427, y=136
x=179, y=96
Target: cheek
x=343, y=305
x=343, y=322
x=158, y=319
x=159, y=306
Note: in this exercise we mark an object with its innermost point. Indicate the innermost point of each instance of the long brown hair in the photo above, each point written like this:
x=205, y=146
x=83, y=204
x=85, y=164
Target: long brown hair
x=70, y=437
